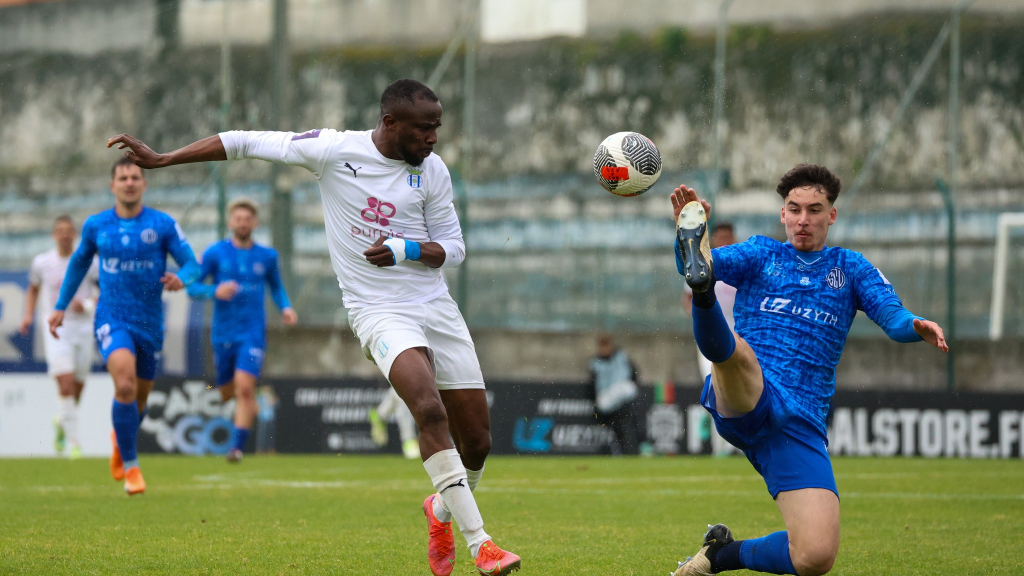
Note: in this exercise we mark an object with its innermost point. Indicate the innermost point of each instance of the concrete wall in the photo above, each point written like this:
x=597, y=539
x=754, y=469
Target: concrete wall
x=93, y=26
x=824, y=95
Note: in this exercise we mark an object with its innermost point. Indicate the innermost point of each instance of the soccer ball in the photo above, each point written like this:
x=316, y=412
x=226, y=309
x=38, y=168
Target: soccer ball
x=627, y=164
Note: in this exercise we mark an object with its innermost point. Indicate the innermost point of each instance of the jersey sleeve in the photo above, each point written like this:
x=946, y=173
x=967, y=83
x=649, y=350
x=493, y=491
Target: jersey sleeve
x=442, y=221
x=277, y=291
x=93, y=277
x=178, y=247
x=79, y=265
x=35, y=272
x=878, y=299
x=199, y=289
x=733, y=264
x=309, y=150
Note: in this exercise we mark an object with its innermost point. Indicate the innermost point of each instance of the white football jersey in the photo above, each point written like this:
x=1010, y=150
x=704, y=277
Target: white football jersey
x=366, y=196
x=47, y=272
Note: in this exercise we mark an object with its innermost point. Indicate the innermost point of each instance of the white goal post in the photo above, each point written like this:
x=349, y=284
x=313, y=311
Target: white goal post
x=1002, y=257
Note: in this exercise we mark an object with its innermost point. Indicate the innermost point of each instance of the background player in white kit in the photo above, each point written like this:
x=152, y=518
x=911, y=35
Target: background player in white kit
x=69, y=358
x=391, y=224
x=723, y=234
x=391, y=406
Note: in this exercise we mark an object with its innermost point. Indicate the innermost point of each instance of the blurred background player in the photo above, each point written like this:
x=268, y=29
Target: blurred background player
x=772, y=379
x=391, y=225
x=392, y=406
x=266, y=419
x=240, y=269
x=68, y=358
x=614, y=379
x=722, y=234
x=132, y=242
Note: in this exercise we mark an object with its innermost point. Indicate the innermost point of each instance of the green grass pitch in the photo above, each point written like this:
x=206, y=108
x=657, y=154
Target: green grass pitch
x=591, y=516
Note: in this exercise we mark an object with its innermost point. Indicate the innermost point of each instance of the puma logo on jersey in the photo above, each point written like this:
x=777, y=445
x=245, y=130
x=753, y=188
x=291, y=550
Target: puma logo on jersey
x=349, y=166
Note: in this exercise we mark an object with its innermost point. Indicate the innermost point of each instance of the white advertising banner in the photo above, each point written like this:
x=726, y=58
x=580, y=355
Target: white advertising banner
x=29, y=403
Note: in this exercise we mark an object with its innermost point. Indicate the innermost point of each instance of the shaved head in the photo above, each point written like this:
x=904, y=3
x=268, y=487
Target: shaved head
x=401, y=95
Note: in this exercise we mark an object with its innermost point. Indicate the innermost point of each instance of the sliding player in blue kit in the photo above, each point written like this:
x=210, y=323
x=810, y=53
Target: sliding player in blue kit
x=772, y=379
x=133, y=242
x=240, y=269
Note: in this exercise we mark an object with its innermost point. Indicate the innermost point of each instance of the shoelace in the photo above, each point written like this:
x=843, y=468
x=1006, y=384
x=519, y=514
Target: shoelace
x=491, y=552
x=444, y=545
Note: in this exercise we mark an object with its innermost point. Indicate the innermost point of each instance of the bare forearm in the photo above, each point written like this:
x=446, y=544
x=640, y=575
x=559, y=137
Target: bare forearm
x=206, y=150
x=209, y=149
x=432, y=254
x=31, y=298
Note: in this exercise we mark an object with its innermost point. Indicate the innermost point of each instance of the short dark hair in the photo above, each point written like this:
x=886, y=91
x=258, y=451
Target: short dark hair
x=63, y=218
x=402, y=92
x=812, y=175
x=244, y=203
x=723, y=226
x=124, y=161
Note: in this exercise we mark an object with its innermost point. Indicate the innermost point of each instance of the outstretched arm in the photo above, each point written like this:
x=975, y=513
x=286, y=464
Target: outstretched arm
x=308, y=150
x=209, y=149
x=877, y=298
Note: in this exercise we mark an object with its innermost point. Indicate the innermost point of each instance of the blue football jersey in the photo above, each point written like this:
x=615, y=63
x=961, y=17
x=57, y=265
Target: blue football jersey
x=133, y=258
x=243, y=318
x=795, y=310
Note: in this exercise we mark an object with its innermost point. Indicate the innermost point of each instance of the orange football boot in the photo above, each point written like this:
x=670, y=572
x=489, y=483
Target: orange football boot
x=133, y=482
x=493, y=561
x=441, y=546
x=116, y=465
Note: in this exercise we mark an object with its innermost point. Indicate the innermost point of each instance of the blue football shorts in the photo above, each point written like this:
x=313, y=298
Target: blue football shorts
x=112, y=336
x=230, y=356
x=789, y=451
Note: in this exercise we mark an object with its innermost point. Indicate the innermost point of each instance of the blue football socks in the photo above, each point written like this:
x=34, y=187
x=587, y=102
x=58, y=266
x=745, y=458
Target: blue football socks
x=126, y=429
x=241, y=437
x=714, y=337
x=768, y=554
x=142, y=414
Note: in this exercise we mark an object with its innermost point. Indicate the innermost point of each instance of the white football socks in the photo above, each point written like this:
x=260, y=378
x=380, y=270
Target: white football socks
x=450, y=480
x=472, y=478
x=69, y=419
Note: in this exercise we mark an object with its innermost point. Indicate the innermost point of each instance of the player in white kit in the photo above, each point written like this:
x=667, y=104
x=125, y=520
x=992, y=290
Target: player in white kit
x=723, y=234
x=391, y=225
x=69, y=358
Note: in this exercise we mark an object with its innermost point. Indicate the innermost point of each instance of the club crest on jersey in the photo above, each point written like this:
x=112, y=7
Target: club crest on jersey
x=149, y=236
x=836, y=279
x=125, y=240
x=415, y=179
x=258, y=268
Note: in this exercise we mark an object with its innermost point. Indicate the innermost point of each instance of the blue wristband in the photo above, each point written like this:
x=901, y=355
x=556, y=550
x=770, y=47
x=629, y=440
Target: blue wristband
x=412, y=250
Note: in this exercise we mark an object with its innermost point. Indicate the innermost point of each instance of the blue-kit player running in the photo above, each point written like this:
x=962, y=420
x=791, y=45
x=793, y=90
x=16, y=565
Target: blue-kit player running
x=132, y=242
x=240, y=269
x=772, y=378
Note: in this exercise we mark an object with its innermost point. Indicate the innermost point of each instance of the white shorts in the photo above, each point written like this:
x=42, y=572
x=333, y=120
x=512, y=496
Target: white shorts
x=72, y=353
x=387, y=330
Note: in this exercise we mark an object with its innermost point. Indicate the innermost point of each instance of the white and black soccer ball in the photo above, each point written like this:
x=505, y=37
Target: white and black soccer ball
x=627, y=164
